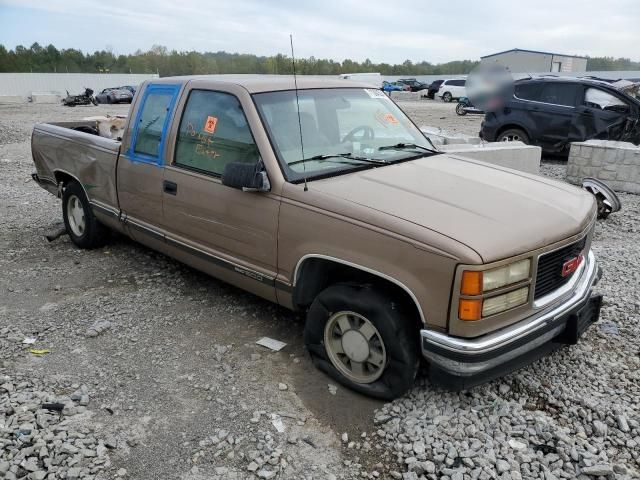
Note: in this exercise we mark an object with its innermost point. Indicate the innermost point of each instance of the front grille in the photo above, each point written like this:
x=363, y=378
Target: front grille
x=549, y=277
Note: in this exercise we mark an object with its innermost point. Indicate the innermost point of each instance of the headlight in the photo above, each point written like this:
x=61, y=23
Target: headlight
x=498, y=304
x=477, y=283
x=500, y=277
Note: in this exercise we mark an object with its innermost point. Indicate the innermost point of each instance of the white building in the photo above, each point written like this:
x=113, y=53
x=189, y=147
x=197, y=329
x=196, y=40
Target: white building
x=530, y=61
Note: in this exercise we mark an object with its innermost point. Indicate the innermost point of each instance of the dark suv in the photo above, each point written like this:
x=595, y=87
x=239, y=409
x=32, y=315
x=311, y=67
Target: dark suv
x=552, y=112
x=413, y=84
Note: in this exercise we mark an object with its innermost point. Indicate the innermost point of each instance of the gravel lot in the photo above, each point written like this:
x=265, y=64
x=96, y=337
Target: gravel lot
x=143, y=368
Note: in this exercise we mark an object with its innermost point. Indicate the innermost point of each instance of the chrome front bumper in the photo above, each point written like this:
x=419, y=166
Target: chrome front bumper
x=464, y=357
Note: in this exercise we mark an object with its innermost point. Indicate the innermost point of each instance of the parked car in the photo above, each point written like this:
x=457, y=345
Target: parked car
x=393, y=87
x=392, y=250
x=452, y=90
x=128, y=87
x=433, y=89
x=552, y=112
x=115, y=95
x=413, y=84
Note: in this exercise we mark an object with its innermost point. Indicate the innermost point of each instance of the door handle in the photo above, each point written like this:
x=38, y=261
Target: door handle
x=170, y=187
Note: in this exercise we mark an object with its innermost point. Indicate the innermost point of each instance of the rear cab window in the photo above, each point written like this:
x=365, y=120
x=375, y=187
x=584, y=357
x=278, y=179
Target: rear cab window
x=152, y=123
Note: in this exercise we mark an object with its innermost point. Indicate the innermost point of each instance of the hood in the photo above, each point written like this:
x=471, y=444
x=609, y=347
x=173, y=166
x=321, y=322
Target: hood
x=495, y=211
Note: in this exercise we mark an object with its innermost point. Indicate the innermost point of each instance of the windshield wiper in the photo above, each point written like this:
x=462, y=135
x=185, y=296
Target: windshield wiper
x=405, y=146
x=348, y=156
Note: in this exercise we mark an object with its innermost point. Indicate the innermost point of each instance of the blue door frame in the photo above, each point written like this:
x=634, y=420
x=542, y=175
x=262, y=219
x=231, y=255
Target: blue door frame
x=161, y=89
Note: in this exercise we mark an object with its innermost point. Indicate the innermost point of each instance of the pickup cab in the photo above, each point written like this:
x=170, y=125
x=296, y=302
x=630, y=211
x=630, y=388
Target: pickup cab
x=327, y=199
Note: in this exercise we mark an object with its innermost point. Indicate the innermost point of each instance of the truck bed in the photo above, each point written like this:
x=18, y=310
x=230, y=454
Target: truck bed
x=66, y=149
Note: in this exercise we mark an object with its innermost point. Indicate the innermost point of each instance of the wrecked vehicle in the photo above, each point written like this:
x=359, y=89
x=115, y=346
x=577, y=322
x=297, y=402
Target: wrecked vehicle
x=328, y=200
x=85, y=98
x=552, y=112
x=115, y=95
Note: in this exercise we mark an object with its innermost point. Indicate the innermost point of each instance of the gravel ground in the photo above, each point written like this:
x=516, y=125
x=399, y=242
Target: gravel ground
x=143, y=368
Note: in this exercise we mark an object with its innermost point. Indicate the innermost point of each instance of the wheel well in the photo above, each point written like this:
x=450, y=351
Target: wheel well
x=63, y=177
x=316, y=274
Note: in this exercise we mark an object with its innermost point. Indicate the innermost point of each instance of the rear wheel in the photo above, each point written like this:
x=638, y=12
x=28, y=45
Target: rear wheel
x=447, y=97
x=81, y=224
x=460, y=109
x=363, y=339
x=513, y=135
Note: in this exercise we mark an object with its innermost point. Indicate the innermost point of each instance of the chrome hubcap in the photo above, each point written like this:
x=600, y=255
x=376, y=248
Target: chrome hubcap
x=75, y=216
x=355, y=347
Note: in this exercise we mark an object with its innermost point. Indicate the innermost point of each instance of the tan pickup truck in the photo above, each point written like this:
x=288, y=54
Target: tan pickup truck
x=330, y=201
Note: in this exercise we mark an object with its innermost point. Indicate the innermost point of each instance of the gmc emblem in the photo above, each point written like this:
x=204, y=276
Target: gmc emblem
x=572, y=265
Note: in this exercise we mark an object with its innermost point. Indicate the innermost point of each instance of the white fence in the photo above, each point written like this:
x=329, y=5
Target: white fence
x=26, y=84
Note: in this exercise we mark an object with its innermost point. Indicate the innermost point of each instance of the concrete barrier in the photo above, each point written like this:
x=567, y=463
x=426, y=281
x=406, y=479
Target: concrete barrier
x=12, y=99
x=516, y=155
x=45, y=98
x=616, y=163
x=443, y=137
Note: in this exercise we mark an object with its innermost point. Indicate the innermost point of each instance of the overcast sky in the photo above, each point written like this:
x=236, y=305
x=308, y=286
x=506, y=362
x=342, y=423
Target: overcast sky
x=384, y=31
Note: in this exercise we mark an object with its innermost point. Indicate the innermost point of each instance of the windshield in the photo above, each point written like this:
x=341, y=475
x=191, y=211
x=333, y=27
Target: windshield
x=342, y=129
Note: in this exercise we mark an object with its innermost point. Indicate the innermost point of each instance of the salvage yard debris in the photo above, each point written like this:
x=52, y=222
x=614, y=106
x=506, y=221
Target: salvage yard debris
x=39, y=351
x=271, y=344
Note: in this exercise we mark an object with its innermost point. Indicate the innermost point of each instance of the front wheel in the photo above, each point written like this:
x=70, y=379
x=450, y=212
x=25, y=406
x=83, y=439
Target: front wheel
x=447, y=97
x=83, y=227
x=364, y=340
x=460, y=109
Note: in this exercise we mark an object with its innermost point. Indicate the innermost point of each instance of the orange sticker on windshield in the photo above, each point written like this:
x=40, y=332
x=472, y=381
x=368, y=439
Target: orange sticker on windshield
x=389, y=118
x=210, y=124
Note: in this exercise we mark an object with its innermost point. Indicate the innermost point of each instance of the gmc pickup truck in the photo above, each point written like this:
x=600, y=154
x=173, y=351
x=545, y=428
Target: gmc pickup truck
x=328, y=200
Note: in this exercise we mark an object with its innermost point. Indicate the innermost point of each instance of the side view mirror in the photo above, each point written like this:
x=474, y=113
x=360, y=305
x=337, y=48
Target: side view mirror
x=248, y=177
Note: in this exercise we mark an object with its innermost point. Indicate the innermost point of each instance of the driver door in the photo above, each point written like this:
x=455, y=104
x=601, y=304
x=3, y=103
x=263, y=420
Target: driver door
x=225, y=231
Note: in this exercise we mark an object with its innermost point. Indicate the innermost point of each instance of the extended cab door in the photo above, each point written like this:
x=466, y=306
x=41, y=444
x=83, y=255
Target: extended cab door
x=225, y=231
x=139, y=176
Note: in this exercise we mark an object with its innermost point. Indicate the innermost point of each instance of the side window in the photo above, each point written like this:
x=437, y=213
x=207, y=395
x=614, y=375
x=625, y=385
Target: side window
x=559, y=94
x=596, y=98
x=528, y=91
x=152, y=123
x=213, y=132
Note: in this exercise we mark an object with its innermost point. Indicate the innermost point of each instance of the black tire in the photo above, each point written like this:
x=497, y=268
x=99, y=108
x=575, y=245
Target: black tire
x=398, y=332
x=93, y=234
x=460, y=109
x=447, y=97
x=512, y=135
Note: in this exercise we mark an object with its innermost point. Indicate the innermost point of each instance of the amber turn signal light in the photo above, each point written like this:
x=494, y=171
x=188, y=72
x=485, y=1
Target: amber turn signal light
x=471, y=283
x=470, y=310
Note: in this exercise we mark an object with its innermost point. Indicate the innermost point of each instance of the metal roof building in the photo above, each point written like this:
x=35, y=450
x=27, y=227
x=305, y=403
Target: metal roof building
x=525, y=61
